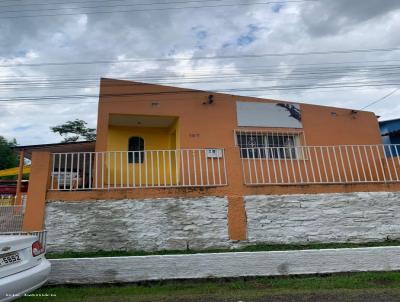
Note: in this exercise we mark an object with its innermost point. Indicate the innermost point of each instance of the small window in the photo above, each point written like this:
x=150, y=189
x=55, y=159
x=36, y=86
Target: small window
x=267, y=145
x=136, y=150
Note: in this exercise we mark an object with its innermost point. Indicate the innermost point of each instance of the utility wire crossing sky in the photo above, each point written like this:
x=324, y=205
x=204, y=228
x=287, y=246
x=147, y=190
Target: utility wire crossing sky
x=53, y=54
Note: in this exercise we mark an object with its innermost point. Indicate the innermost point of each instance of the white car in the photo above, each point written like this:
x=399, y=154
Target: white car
x=23, y=267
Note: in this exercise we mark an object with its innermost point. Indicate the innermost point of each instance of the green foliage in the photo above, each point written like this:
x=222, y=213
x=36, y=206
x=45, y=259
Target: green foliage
x=8, y=159
x=73, y=131
x=368, y=286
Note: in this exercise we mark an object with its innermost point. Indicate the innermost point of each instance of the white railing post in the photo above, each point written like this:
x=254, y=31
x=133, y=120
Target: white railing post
x=152, y=168
x=330, y=163
x=52, y=171
x=90, y=171
x=337, y=164
x=201, y=168
x=219, y=169
x=368, y=164
x=182, y=169
x=380, y=163
x=225, y=174
x=206, y=160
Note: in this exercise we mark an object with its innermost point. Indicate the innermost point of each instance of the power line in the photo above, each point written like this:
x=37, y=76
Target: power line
x=156, y=9
x=204, y=57
x=185, y=90
x=80, y=99
x=320, y=74
x=361, y=69
x=56, y=3
x=103, y=6
x=279, y=66
x=93, y=83
x=381, y=99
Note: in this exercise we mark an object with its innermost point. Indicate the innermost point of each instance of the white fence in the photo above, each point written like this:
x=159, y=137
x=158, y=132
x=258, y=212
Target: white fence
x=321, y=164
x=9, y=199
x=11, y=213
x=138, y=169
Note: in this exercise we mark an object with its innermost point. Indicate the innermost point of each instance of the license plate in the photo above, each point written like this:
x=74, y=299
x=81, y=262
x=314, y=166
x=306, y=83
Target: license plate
x=10, y=258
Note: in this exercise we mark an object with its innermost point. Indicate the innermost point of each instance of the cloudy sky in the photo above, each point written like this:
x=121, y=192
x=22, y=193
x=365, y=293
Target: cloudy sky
x=342, y=53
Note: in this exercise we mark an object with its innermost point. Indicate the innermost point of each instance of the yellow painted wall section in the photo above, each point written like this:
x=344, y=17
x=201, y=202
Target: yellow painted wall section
x=175, y=135
x=154, y=138
x=158, y=167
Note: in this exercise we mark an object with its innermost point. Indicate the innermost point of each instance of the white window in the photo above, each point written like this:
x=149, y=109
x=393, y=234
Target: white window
x=263, y=144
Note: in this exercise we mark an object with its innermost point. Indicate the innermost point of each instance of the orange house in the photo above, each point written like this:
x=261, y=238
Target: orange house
x=160, y=141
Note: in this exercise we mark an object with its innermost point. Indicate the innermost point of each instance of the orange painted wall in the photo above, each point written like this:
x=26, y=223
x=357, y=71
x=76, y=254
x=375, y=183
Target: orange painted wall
x=212, y=125
x=38, y=184
x=237, y=220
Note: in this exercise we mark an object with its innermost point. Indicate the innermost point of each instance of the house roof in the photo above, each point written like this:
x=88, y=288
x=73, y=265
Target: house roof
x=85, y=146
x=390, y=127
x=395, y=120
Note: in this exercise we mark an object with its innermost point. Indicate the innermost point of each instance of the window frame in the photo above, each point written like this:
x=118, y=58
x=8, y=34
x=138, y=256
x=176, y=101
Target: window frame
x=266, y=146
x=136, y=154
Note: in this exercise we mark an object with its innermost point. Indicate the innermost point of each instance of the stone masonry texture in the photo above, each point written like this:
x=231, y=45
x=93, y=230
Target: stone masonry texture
x=201, y=223
x=348, y=217
x=150, y=224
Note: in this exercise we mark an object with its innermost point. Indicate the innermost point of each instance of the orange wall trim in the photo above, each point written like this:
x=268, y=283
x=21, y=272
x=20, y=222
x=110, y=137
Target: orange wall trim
x=145, y=193
x=237, y=222
x=38, y=184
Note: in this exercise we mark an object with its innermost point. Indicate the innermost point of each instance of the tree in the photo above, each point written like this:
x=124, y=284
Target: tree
x=8, y=159
x=73, y=131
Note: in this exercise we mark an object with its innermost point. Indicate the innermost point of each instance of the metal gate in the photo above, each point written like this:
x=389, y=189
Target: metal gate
x=11, y=213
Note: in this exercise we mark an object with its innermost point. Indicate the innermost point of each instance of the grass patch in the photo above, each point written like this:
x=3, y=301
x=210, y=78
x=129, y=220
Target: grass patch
x=250, y=248
x=217, y=289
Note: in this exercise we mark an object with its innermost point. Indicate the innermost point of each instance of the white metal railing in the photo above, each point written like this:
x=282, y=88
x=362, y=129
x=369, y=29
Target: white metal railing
x=10, y=199
x=321, y=164
x=7, y=199
x=138, y=169
x=12, y=214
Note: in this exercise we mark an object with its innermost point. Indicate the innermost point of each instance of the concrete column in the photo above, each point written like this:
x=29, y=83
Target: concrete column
x=38, y=184
x=237, y=222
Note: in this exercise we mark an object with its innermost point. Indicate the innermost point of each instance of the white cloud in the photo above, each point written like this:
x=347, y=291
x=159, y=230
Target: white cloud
x=294, y=27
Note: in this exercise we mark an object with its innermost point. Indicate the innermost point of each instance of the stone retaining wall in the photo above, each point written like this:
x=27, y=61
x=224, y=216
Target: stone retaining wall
x=349, y=217
x=201, y=223
x=151, y=224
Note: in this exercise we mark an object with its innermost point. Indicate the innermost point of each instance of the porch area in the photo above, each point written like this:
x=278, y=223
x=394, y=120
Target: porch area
x=138, y=169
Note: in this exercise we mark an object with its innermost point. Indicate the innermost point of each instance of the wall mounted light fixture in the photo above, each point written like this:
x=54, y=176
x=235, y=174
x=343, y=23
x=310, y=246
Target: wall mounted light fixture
x=210, y=100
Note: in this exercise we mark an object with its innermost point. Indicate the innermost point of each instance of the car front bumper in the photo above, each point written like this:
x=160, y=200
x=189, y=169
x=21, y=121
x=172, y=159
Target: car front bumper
x=16, y=285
